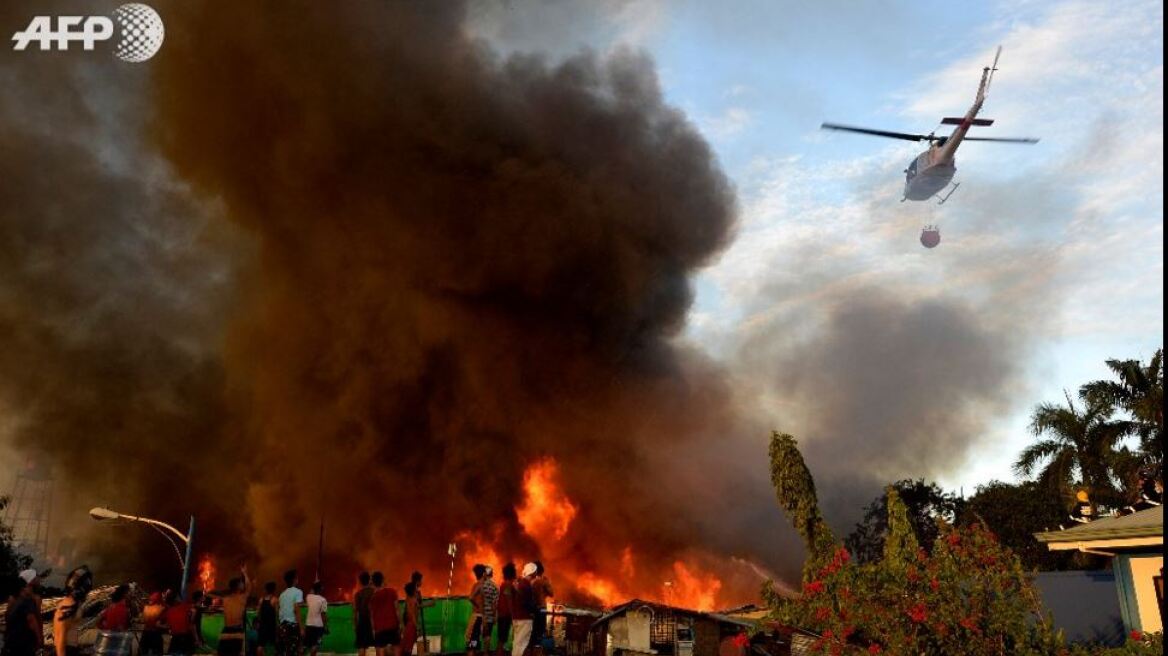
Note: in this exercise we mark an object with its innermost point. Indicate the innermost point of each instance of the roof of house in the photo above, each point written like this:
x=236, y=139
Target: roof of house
x=639, y=603
x=1143, y=528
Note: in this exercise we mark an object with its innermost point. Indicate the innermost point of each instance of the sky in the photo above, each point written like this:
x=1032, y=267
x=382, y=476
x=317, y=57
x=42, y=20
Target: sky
x=1055, y=250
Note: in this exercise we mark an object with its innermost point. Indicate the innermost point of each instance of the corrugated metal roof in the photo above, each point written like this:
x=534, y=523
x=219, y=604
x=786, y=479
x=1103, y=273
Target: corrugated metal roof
x=639, y=603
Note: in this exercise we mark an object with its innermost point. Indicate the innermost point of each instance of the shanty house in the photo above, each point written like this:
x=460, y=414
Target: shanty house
x=644, y=627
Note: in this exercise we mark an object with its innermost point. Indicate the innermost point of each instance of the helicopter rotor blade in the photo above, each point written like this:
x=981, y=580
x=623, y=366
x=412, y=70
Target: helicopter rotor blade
x=1025, y=140
x=879, y=133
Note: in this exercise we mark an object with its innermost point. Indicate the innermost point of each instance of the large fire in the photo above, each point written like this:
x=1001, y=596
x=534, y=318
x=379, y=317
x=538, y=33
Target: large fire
x=547, y=514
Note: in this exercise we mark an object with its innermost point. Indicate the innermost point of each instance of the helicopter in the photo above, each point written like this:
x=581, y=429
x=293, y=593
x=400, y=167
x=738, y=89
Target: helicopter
x=932, y=171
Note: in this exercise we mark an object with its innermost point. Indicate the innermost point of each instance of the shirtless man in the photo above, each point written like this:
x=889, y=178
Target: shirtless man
x=474, y=628
x=66, y=617
x=234, y=615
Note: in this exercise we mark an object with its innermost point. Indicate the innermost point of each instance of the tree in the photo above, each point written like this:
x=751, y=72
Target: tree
x=1015, y=512
x=795, y=489
x=1139, y=391
x=11, y=561
x=1075, y=444
x=925, y=504
x=970, y=595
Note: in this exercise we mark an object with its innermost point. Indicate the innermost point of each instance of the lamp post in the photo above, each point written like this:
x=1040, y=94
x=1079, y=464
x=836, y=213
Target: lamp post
x=104, y=514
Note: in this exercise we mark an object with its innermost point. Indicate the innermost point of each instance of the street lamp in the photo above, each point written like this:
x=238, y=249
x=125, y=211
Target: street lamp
x=104, y=514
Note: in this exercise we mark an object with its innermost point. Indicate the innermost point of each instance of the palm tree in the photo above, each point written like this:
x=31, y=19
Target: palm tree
x=1139, y=391
x=1075, y=445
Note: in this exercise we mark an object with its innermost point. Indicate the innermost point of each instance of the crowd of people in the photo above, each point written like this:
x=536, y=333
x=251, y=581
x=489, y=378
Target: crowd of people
x=290, y=623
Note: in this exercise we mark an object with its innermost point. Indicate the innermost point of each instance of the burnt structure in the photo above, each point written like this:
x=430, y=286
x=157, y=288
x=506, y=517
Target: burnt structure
x=644, y=627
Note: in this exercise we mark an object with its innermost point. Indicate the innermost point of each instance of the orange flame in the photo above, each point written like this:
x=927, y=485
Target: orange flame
x=476, y=549
x=207, y=572
x=584, y=571
x=694, y=588
x=546, y=512
x=602, y=589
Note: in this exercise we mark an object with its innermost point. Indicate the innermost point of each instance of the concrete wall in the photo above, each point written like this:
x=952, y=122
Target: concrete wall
x=1138, y=590
x=1085, y=605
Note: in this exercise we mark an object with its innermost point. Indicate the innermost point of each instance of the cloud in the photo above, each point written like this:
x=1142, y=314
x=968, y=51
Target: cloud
x=892, y=360
x=732, y=122
x=558, y=27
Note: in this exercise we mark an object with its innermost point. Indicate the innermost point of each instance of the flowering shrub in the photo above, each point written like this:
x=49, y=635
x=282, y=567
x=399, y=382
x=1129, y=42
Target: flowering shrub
x=1138, y=644
x=970, y=597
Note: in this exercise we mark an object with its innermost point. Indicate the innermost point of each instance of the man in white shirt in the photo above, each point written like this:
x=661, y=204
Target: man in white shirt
x=291, y=624
x=316, y=624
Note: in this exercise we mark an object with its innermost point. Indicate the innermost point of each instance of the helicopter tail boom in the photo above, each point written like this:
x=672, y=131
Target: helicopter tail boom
x=951, y=120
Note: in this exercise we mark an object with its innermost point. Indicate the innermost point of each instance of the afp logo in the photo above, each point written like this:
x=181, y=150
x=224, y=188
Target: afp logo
x=140, y=32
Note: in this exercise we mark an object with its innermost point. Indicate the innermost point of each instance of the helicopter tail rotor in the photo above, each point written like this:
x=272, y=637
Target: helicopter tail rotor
x=994, y=67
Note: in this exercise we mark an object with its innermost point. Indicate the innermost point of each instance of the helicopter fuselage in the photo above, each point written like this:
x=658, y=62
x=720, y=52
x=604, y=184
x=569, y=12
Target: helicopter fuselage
x=934, y=169
x=929, y=173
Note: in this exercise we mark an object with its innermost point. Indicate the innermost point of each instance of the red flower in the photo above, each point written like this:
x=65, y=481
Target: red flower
x=822, y=613
x=1136, y=635
x=874, y=648
x=934, y=583
x=953, y=539
x=968, y=623
x=813, y=588
x=741, y=640
x=918, y=613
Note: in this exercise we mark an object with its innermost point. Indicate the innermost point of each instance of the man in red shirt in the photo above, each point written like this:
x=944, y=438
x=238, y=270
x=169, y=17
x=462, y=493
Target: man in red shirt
x=383, y=613
x=177, y=619
x=506, y=604
x=116, y=616
x=522, y=610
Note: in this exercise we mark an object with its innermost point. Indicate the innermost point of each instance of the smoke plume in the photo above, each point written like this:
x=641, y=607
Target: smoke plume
x=346, y=263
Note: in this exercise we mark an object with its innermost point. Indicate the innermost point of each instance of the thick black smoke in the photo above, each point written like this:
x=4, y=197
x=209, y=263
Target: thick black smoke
x=466, y=263
x=344, y=261
x=112, y=287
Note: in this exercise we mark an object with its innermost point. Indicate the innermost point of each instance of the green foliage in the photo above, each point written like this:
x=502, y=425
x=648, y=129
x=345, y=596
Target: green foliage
x=11, y=562
x=1084, y=444
x=1015, y=512
x=795, y=489
x=900, y=545
x=925, y=503
x=1138, y=390
x=1138, y=644
x=969, y=596
x=1076, y=443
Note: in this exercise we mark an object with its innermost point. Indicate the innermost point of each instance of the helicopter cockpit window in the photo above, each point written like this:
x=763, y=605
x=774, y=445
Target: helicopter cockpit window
x=912, y=169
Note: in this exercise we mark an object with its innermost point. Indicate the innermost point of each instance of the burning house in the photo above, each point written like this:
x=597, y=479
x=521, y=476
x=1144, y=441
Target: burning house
x=644, y=627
